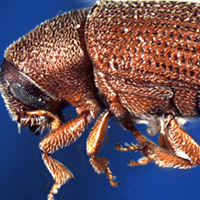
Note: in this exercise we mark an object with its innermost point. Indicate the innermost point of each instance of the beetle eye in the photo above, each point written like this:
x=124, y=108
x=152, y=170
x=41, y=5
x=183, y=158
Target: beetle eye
x=17, y=88
x=21, y=93
x=24, y=95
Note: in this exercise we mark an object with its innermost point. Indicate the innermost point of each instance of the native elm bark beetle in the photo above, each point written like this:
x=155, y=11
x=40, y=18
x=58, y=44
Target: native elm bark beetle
x=141, y=57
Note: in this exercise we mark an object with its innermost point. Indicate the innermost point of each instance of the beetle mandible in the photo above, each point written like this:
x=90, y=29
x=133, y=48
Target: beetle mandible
x=140, y=57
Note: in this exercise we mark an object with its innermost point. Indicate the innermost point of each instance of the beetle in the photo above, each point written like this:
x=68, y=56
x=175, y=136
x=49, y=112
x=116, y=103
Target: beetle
x=141, y=58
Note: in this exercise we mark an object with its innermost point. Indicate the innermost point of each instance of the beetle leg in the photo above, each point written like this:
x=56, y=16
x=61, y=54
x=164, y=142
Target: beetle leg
x=152, y=152
x=58, y=138
x=146, y=146
x=63, y=135
x=94, y=143
x=141, y=161
x=135, y=147
x=181, y=143
x=40, y=118
x=59, y=172
x=132, y=147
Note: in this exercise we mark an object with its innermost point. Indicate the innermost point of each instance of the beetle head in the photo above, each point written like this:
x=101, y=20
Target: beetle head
x=22, y=94
x=48, y=68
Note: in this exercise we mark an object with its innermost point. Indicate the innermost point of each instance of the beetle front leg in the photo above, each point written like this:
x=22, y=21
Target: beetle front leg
x=40, y=118
x=59, y=138
x=59, y=172
x=61, y=135
x=94, y=143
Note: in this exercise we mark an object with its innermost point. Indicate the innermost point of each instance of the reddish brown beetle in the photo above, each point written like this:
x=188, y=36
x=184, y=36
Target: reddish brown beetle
x=141, y=58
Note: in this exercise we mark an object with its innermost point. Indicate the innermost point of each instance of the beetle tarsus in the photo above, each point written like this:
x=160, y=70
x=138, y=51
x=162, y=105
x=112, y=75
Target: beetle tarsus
x=59, y=172
x=141, y=161
x=130, y=147
x=100, y=165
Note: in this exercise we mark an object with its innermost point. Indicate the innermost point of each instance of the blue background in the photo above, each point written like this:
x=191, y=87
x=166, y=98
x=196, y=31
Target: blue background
x=23, y=175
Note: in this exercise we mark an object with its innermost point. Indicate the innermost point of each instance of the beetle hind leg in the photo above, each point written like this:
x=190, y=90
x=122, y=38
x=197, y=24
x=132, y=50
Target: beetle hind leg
x=94, y=143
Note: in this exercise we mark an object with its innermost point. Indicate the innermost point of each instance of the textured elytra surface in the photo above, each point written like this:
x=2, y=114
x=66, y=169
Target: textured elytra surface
x=147, y=46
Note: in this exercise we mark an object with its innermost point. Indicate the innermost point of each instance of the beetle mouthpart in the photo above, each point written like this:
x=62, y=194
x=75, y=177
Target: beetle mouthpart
x=34, y=121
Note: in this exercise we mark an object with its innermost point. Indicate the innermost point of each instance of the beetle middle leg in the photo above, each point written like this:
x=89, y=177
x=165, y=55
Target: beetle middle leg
x=94, y=143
